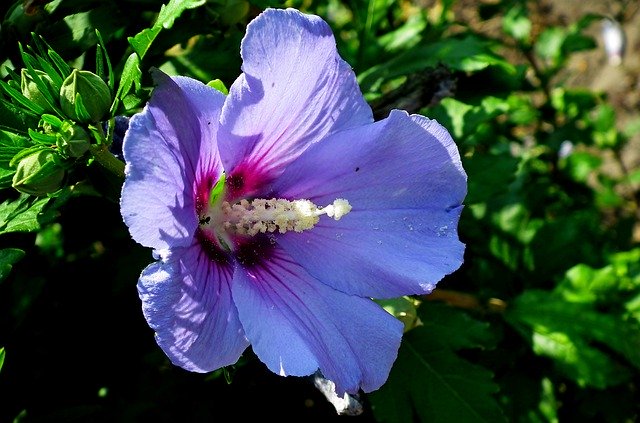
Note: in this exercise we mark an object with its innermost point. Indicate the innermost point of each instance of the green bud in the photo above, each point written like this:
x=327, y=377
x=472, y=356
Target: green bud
x=85, y=97
x=403, y=309
x=32, y=92
x=73, y=140
x=38, y=174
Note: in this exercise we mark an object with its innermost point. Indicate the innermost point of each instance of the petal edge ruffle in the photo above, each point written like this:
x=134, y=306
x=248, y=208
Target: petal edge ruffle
x=187, y=302
x=404, y=181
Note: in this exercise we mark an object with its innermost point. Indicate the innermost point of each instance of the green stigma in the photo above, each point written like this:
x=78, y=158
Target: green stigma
x=217, y=192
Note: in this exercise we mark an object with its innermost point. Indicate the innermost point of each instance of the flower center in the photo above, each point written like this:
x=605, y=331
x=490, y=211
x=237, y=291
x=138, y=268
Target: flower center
x=277, y=214
x=259, y=216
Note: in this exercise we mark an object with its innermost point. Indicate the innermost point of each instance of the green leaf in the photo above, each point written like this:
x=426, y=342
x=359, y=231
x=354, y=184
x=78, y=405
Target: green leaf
x=39, y=137
x=16, y=119
x=578, y=42
x=456, y=328
x=21, y=99
x=615, y=281
x=453, y=114
x=10, y=145
x=517, y=24
x=2, y=354
x=102, y=57
x=168, y=14
x=572, y=335
x=8, y=257
x=581, y=164
x=50, y=70
x=406, y=36
x=63, y=67
x=565, y=240
x=22, y=215
x=131, y=76
x=489, y=175
x=77, y=31
x=430, y=381
x=549, y=43
x=467, y=54
x=403, y=309
x=574, y=357
x=54, y=59
x=6, y=177
x=31, y=62
x=465, y=119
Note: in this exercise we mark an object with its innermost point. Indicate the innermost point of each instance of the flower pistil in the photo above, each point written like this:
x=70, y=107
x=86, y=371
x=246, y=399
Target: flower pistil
x=277, y=214
x=259, y=216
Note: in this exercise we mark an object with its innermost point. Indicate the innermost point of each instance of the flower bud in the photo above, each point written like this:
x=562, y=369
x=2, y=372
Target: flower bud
x=77, y=141
x=30, y=89
x=38, y=174
x=85, y=97
x=403, y=309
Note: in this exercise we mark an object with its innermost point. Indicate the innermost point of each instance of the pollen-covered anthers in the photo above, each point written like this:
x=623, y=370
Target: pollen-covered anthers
x=261, y=216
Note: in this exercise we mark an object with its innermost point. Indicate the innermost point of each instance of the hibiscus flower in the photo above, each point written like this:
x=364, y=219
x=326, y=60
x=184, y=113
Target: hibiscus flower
x=278, y=212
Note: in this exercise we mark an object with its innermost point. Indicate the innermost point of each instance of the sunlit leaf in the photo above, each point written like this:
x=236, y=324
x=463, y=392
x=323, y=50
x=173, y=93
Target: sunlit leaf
x=517, y=24
x=168, y=14
x=571, y=334
x=131, y=75
x=22, y=215
x=466, y=54
x=581, y=164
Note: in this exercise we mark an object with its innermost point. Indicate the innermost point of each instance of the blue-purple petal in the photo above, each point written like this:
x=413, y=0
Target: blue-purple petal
x=404, y=181
x=169, y=148
x=297, y=324
x=187, y=301
x=295, y=90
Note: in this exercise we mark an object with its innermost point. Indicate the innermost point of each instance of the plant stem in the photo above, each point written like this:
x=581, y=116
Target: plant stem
x=103, y=156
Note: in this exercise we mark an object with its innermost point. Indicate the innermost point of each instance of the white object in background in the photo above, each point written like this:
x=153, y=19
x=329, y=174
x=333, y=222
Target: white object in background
x=614, y=41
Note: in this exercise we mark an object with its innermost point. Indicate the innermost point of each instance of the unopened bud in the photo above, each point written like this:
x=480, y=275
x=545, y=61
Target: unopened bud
x=30, y=89
x=85, y=97
x=77, y=141
x=403, y=309
x=38, y=174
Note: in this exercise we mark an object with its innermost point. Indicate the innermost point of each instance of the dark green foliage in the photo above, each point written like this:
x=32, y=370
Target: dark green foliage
x=431, y=381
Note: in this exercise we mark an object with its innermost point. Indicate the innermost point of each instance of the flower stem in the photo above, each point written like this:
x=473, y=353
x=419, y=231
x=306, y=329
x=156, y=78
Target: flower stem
x=110, y=162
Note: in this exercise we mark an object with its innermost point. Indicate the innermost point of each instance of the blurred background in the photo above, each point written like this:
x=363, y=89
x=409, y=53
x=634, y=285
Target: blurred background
x=541, y=323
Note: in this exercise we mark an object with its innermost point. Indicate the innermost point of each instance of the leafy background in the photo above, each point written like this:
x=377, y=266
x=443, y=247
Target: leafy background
x=542, y=322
